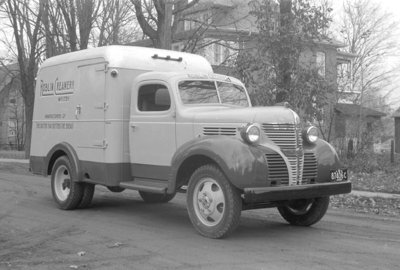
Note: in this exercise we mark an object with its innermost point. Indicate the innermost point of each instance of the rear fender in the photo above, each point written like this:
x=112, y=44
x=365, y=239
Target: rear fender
x=64, y=149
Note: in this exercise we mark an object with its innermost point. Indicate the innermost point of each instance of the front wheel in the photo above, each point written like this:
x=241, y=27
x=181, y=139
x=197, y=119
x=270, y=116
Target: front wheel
x=304, y=212
x=214, y=204
x=66, y=192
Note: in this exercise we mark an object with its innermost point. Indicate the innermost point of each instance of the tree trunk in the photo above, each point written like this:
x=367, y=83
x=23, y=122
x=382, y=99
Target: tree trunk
x=166, y=36
x=28, y=134
x=284, y=79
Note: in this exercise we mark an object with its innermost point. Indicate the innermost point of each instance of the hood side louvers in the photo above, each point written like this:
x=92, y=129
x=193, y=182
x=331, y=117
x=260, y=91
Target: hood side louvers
x=227, y=131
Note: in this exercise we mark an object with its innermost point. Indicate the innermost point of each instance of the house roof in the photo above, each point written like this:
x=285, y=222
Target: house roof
x=345, y=57
x=202, y=6
x=217, y=32
x=354, y=110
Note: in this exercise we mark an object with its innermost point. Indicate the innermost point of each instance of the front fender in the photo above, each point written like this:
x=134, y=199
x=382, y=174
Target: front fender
x=243, y=164
x=327, y=160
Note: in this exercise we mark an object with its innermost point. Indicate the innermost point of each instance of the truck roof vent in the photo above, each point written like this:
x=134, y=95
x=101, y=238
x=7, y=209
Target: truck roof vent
x=168, y=58
x=227, y=131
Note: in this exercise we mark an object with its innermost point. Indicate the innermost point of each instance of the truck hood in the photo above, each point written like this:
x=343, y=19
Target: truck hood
x=271, y=115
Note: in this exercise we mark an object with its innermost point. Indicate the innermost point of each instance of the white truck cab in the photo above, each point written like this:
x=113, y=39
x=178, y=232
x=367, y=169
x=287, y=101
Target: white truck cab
x=156, y=121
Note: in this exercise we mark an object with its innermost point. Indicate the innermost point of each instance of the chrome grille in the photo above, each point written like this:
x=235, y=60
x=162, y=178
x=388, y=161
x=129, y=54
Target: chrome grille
x=228, y=131
x=277, y=171
x=288, y=138
x=310, y=166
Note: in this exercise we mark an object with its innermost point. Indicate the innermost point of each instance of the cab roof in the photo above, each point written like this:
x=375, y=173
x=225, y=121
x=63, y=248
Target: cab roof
x=140, y=58
x=188, y=76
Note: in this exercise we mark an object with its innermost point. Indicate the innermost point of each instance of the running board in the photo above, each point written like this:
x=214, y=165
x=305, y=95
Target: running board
x=146, y=185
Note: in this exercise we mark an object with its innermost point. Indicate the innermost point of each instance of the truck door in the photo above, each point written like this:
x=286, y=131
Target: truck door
x=152, y=131
x=90, y=109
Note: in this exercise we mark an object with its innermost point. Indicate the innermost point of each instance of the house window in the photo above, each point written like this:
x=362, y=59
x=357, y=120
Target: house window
x=186, y=25
x=217, y=54
x=321, y=63
x=197, y=21
x=11, y=127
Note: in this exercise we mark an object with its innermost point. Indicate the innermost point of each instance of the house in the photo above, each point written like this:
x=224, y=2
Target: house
x=12, y=123
x=396, y=117
x=354, y=124
x=220, y=29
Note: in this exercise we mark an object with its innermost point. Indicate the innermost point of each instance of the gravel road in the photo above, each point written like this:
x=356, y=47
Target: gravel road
x=120, y=231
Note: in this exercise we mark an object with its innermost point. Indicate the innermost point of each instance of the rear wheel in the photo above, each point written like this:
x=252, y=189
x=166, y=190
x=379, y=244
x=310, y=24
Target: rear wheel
x=66, y=192
x=214, y=204
x=88, y=192
x=156, y=197
x=304, y=212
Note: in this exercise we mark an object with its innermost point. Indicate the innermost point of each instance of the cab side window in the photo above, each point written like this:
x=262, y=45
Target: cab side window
x=153, y=97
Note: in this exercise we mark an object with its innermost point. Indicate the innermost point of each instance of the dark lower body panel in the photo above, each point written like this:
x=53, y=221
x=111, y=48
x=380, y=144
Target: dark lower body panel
x=109, y=174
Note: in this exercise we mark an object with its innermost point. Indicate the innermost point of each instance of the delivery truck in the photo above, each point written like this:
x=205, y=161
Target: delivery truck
x=159, y=122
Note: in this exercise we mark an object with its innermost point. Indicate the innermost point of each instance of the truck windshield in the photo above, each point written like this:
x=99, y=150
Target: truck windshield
x=200, y=92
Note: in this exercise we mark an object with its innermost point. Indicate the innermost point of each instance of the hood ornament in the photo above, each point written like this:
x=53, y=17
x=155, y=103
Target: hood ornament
x=283, y=103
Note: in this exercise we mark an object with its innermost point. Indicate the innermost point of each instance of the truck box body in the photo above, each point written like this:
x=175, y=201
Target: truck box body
x=78, y=101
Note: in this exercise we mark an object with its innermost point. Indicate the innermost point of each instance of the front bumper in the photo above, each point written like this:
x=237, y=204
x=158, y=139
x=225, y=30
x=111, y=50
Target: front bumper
x=271, y=194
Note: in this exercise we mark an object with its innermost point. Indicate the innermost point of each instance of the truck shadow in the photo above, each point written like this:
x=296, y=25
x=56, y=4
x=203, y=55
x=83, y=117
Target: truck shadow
x=173, y=218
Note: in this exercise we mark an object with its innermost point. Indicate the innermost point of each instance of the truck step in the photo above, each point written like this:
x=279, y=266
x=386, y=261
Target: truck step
x=147, y=185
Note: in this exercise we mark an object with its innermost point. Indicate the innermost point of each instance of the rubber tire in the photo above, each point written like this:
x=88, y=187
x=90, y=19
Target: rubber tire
x=313, y=215
x=88, y=192
x=76, y=189
x=156, y=197
x=233, y=203
x=116, y=189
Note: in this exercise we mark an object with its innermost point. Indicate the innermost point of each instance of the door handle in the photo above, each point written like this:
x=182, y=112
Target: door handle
x=78, y=110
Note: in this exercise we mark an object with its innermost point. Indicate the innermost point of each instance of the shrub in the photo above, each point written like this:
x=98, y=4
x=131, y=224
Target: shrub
x=367, y=161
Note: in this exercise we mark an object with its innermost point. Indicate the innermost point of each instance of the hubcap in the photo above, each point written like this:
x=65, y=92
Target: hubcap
x=300, y=207
x=209, y=201
x=62, y=183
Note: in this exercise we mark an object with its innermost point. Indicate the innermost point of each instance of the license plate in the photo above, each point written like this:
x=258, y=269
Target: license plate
x=339, y=175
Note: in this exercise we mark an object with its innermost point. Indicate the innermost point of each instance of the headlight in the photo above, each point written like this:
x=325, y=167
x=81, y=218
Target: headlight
x=251, y=133
x=311, y=134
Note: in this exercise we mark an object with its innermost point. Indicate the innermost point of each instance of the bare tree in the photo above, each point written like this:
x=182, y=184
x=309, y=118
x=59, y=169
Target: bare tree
x=370, y=34
x=159, y=19
x=116, y=23
x=98, y=23
x=79, y=15
x=25, y=18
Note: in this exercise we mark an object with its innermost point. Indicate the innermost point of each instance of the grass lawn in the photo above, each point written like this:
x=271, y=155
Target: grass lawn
x=17, y=168
x=360, y=204
x=12, y=154
x=388, y=182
